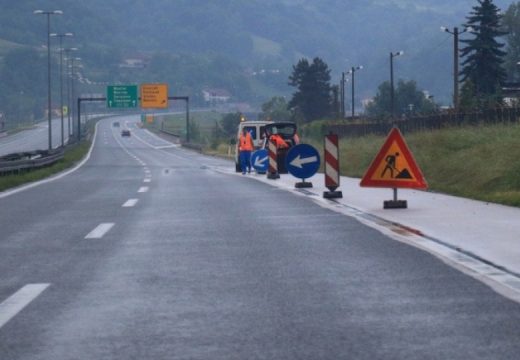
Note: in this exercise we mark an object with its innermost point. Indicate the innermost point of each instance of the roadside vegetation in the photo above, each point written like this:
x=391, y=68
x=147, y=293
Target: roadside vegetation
x=475, y=162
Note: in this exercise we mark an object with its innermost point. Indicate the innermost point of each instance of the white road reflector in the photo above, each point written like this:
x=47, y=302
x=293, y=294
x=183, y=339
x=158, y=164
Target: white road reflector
x=10, y=307
x=130, y=203
x=99, y=231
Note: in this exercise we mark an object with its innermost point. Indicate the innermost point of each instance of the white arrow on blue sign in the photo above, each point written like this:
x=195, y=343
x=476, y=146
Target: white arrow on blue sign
x=302, y=161
x=259, y=160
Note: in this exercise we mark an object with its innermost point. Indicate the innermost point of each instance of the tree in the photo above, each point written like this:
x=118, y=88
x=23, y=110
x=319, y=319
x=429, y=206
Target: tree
x=312, y=81
x=23, y=86
x=229, y=123
x=468, y=101
x=408, y=98
x=275, y=109
x=483, y=55
x=511, y=22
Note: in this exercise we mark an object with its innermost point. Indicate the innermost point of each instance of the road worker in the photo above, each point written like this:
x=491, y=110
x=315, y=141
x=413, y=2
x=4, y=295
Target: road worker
x=245, y=146
x=278, y=140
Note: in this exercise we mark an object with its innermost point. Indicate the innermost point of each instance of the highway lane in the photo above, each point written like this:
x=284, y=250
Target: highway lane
x=150, y=251
x=36, y=138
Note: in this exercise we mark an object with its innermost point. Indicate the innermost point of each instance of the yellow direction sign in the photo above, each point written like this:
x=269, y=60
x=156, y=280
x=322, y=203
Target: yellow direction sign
x=154, y=96
x=394, y=166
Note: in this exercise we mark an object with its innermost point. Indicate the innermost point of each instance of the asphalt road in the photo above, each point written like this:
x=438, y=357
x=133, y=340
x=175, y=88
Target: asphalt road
x=149, y=251
x=36, y=138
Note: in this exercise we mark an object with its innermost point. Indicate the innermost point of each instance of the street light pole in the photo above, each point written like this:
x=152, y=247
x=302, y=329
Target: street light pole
x=455, y=34
x=72, y=94
x=343, y=95
x=352, y=72
x=69, y=87
x=392, y=91
x=61, y=36
x=49, y=101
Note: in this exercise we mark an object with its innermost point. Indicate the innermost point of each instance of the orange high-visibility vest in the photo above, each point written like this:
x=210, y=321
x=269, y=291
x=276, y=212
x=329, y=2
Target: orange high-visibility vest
x=245, y=142
x=279, y=141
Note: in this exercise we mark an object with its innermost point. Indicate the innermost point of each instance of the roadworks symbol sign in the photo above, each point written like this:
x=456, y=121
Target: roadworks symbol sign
x=394, y=166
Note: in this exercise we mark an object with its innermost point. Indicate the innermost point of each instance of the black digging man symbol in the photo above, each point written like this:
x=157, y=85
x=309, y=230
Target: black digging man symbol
x=391, y=165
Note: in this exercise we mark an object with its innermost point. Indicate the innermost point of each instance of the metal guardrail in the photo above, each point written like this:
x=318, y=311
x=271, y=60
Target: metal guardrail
x=26, y=161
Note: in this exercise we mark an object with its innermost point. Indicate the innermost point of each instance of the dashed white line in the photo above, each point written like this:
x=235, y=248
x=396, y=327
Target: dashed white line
x=130, y=203
x=143, y=189
x=147, y=180
x=10, y=307
x=99, y=231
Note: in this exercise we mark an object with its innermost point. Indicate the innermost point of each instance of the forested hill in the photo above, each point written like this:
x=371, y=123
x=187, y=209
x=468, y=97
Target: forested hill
x=260, y=33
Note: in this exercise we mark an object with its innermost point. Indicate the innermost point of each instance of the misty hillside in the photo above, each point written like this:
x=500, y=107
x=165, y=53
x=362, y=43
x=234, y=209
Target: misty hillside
x=257, y=34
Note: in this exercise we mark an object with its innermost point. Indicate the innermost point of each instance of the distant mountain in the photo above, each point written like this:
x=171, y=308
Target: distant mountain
x=263, y=34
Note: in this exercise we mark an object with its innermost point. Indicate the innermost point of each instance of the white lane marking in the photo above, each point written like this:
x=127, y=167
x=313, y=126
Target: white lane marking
x=130, y=203
x=10, y=307
x=143, y=189
x=147, y=180
x=150, y=145
x=99, y=231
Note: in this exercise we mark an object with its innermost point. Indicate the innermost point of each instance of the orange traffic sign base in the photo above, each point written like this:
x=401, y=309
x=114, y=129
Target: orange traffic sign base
x=394, y=166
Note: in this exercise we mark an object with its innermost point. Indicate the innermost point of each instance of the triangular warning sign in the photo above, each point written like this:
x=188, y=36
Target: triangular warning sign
x=394, y=166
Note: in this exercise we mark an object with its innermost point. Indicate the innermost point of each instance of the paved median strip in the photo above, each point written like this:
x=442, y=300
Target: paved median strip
x=100, y=231
x=19, y=300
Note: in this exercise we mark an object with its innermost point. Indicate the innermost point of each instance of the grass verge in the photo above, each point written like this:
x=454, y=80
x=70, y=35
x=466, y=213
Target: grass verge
x=478, y=162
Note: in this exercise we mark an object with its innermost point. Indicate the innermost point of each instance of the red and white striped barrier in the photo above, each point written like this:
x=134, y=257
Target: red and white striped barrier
x=272, y=172
x=332, y=167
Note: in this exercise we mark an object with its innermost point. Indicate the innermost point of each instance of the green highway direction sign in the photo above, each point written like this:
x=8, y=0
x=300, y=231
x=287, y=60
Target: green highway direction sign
x=122, y=96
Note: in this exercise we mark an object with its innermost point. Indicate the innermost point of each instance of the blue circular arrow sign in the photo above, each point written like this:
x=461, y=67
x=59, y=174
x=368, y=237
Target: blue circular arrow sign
x=302, y=161
x=260, y=160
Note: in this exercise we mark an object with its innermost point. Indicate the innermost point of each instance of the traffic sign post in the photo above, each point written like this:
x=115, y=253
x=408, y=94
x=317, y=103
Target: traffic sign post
x=332, y=167
x=122, y=96
x=394, y=167
x=302, y=162
x=259, y=160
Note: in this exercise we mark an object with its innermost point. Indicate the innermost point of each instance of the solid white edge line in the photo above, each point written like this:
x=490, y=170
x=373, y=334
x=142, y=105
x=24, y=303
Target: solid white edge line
x=10, y=307
x=56, y=177
x=99, y=231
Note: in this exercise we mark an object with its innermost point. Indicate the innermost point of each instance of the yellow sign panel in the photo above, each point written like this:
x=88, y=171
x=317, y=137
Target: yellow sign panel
x=394, y=166
x=65, y=110
x=154, y=96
